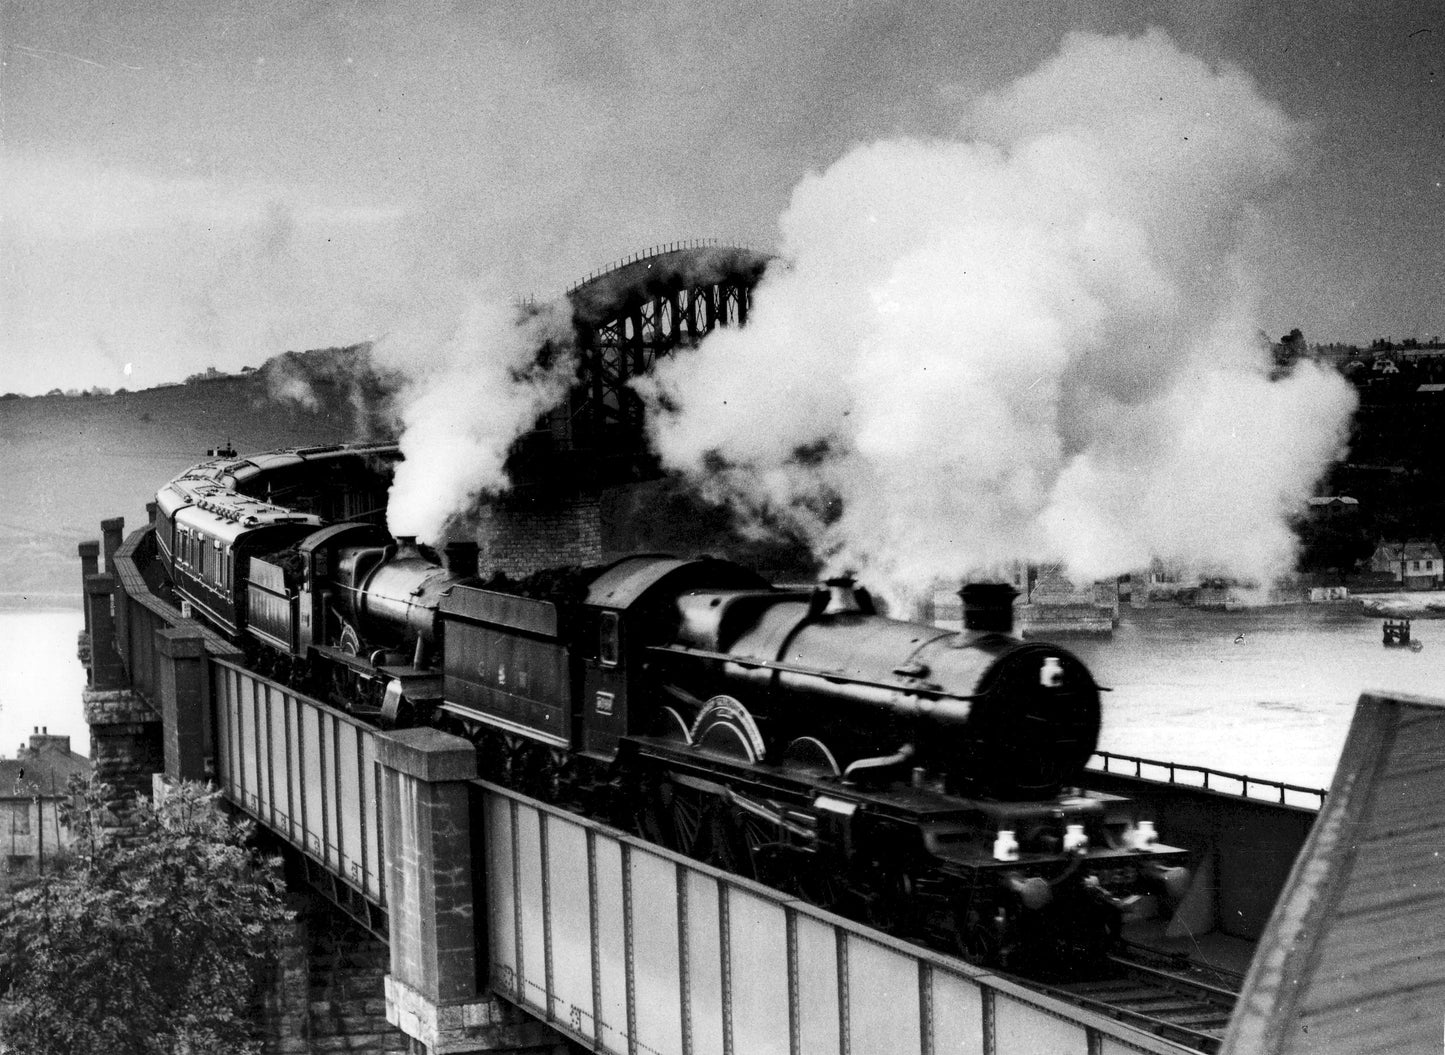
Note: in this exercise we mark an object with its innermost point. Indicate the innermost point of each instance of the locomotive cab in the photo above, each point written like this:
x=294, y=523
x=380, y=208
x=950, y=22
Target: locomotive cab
x=630, y=605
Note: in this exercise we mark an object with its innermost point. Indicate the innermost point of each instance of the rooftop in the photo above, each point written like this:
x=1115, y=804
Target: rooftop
x=45, y=764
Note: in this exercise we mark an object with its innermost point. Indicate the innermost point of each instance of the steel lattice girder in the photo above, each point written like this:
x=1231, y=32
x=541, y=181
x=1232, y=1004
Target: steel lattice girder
x=631, y=316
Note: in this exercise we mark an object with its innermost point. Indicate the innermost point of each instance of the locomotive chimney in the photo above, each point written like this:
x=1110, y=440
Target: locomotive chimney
x=406, y=546
x=988, y=607
x=842, y=597
x=461, y=558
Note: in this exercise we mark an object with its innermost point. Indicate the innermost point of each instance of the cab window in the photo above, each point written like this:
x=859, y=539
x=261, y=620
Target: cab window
x=608, y=646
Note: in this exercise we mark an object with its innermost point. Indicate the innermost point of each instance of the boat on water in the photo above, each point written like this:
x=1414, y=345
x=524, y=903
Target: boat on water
x=1396, y=634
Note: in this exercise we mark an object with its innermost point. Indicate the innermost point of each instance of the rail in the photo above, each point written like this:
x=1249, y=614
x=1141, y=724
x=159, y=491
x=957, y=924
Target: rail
x=1170, y=773
x=1175, y=1006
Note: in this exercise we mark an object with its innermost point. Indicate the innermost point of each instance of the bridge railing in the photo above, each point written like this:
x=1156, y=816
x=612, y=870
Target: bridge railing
x=631, y=948
x=305, y=770
x=659, y=250
x=1219, y=780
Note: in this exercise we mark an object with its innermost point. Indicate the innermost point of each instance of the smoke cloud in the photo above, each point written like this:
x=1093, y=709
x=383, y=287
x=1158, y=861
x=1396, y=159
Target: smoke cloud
x=1034, y=341
x=470, y=387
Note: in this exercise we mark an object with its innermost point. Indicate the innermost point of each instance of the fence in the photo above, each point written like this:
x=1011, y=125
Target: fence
x=1209, y=779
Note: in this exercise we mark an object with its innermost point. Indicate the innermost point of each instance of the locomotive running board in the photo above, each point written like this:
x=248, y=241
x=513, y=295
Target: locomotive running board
x=910, y=688
x=506, y=725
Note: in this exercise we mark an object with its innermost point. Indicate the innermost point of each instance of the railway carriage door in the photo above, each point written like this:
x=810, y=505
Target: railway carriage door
x=604, y=684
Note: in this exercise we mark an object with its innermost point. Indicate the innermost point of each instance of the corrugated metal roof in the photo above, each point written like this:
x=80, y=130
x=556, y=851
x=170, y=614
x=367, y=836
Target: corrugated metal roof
x=1351, y=960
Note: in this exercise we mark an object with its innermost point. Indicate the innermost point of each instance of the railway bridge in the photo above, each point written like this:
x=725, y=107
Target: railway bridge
x=487, y=898
x=512, y=925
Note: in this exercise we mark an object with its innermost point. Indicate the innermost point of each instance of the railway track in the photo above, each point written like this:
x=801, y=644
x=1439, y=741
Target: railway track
x=1172, y=1001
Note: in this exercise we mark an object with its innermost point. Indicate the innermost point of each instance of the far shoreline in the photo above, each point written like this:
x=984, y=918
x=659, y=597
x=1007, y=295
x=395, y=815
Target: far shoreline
x=39, y=602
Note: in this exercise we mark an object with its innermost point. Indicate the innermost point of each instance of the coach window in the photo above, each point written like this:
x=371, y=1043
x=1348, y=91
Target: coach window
x=607, y=639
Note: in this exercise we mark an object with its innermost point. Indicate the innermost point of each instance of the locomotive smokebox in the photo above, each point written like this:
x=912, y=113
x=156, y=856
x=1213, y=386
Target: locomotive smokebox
x=460, y=558
x=988, y=607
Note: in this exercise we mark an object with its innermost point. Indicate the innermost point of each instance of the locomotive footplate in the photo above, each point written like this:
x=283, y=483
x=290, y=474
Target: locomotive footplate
x=960, y=836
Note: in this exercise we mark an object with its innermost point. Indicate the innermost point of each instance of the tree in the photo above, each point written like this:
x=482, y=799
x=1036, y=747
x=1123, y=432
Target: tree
x=153, y=944
x=1332, y=544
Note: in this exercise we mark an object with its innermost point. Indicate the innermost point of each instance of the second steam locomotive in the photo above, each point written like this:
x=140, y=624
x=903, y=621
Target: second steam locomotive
x=921, y=779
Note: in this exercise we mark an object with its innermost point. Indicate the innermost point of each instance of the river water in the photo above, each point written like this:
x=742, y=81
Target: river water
x=40, y=678
x=1264, y=691
x=1268, y=692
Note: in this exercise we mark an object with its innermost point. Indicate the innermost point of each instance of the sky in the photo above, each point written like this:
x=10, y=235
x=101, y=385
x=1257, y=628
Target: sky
x=185, y=185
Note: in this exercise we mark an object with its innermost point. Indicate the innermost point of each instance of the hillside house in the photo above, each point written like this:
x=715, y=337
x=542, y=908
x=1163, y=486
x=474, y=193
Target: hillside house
x=1328, y=507
x=1415, y=565
x=32, y=787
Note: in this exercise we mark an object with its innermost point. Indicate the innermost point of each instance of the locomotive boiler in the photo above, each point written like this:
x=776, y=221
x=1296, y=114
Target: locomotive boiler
x=924, y=780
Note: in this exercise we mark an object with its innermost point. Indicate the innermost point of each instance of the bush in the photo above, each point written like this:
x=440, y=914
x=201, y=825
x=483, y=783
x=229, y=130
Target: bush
x=151, y=945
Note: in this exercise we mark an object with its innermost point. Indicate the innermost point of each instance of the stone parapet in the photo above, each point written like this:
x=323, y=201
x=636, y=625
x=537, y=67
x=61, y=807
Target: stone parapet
x=106, y=669
x=89, y=565
x=428, y=754
x=180, y=657
x=111, y=533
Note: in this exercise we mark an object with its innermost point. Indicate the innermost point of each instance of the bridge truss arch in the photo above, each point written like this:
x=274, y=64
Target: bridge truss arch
x=627, y=317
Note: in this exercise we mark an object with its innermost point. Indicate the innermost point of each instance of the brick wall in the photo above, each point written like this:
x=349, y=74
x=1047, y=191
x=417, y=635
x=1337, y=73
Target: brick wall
x=125, y=745
x=521, y=533
x=325, y=993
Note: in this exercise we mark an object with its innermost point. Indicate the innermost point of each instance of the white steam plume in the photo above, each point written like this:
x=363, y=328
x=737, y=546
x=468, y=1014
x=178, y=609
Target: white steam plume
x=1033, y=342
x=469, y=391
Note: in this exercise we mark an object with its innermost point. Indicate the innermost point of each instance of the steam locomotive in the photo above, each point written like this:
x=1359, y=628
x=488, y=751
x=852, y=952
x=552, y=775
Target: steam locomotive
x=920, y=779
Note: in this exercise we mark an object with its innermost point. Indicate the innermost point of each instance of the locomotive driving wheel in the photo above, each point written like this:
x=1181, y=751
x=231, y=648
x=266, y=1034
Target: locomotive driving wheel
x=887, y=896
x=676, y=817
x=740, y=843
x=817, y=881
x=984, y=933
x=976, y=936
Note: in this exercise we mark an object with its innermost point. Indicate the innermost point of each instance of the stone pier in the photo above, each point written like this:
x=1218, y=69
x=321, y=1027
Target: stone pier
x=436, y=989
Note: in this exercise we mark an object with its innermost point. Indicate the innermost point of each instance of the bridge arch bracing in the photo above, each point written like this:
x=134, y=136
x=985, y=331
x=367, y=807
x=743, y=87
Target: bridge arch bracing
x=626, y=318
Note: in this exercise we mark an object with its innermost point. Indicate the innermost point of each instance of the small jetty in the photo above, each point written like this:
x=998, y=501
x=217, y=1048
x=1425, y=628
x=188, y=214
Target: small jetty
x=1396, y=634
